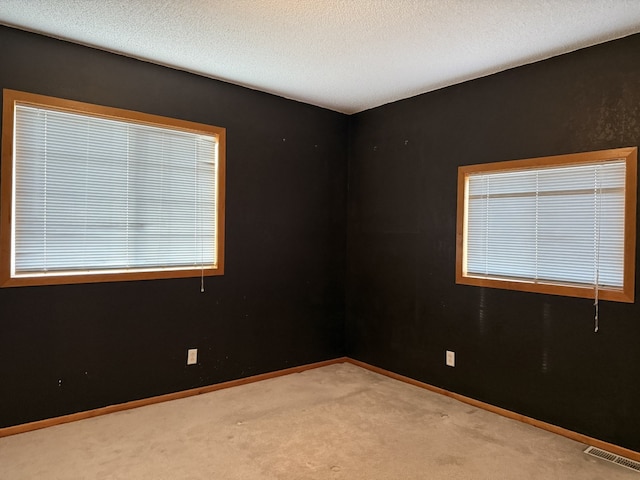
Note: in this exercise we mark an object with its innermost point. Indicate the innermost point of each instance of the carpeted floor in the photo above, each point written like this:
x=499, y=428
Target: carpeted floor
x=334, y=422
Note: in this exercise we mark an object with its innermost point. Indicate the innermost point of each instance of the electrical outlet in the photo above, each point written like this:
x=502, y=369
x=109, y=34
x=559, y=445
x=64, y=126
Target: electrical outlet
x=451, y=359
x=192, y=356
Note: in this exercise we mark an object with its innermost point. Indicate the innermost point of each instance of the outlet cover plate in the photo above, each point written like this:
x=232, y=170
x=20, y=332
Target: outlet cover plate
x=451, y=358
x=192, y=356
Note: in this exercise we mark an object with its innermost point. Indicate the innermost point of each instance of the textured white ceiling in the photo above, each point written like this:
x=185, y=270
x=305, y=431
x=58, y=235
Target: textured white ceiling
x=345, y=55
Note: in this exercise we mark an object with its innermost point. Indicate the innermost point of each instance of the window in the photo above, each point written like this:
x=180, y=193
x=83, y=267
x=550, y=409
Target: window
x=561, y=225
x=92, y=194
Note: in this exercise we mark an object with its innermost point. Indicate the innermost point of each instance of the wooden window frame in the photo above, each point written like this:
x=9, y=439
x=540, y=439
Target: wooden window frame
x=10, y=99
x=625, y=294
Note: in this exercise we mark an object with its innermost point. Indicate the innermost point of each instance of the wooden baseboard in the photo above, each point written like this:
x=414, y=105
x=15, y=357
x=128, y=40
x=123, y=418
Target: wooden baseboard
x=50, y=422
x=625, y=452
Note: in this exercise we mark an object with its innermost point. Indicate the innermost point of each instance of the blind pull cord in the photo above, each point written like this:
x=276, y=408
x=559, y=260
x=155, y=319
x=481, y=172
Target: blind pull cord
x=595, y=304
x=201, y=251
x=201, y=230
x=598, y=194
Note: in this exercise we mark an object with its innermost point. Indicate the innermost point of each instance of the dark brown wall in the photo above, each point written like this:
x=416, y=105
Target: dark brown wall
x=533, y=354
x=280, y=303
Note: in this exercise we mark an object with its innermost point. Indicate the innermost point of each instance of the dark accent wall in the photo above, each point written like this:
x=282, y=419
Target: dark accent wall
x=65, y=349
x=530, y=353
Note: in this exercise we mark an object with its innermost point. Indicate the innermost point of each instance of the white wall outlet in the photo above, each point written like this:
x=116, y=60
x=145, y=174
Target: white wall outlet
x=451, y=358
x=192, y=356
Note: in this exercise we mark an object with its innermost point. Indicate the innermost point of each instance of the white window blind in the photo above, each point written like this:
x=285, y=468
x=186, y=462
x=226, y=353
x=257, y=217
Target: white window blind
x=95, y=194
x=560, y=224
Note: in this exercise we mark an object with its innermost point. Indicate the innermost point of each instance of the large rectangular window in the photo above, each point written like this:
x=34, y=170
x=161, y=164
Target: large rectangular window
x=92, y=193
x=562, y=225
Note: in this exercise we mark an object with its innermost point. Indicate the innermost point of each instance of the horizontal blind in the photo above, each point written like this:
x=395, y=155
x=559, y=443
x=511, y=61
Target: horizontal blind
x=561, y=224
x=95, y=194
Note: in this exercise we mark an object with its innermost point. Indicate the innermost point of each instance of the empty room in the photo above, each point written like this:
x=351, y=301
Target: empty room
x=342, y=239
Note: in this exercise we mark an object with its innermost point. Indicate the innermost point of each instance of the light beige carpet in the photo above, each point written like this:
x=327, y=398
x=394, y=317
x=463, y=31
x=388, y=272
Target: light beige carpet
x=335, y=422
